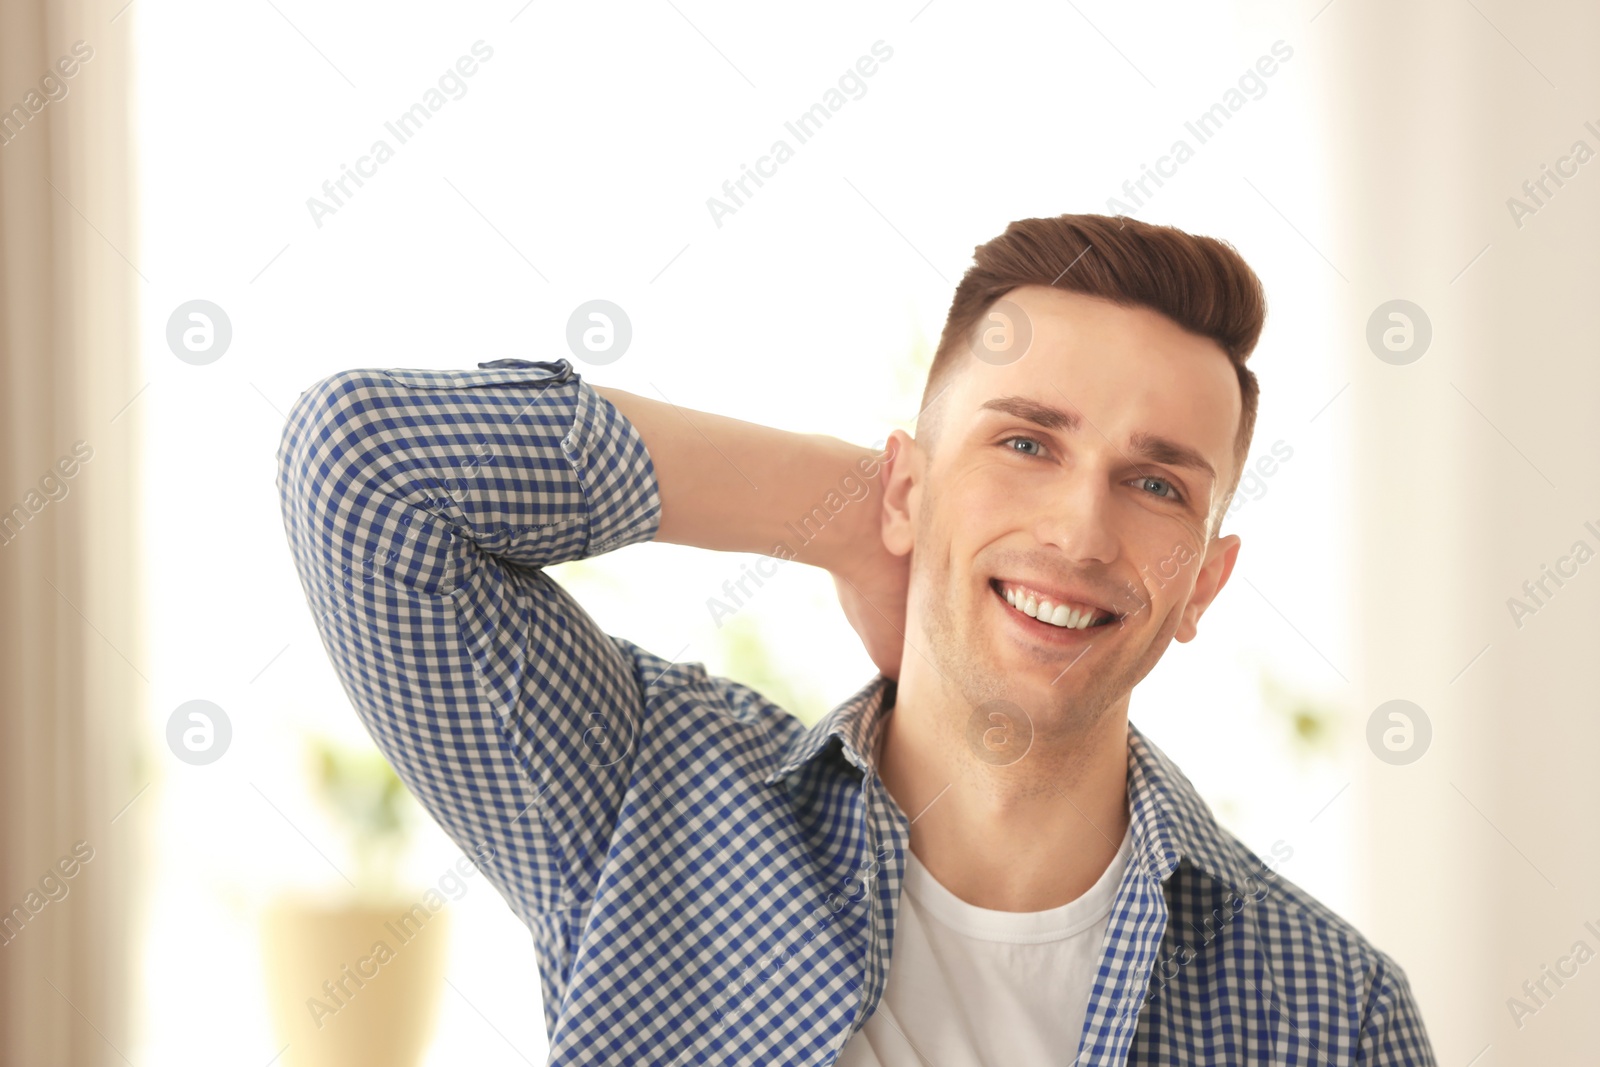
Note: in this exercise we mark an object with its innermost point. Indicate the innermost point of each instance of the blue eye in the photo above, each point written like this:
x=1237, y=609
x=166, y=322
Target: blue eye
x=1021, y=437
x=1172, y=495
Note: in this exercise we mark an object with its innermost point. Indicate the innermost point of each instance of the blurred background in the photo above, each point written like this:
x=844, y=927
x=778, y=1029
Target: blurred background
x=197, y=222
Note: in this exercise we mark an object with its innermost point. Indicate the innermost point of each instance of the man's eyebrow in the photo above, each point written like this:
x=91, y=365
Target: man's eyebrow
x=1143, y=445
x=1159, y=449
x=1034, y=411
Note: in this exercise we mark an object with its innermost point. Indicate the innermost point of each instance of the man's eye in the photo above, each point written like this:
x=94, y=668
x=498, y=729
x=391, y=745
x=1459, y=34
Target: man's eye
x=1034, y=441
x=1171, y=494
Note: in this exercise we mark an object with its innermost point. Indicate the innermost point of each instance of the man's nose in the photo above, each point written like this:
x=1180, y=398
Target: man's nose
x=1078, y=520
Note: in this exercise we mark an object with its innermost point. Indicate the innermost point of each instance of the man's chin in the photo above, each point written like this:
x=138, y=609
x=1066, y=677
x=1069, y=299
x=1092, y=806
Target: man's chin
x=1068, y=687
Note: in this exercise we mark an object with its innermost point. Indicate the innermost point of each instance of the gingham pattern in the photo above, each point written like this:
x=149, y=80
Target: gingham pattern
x=697, y=867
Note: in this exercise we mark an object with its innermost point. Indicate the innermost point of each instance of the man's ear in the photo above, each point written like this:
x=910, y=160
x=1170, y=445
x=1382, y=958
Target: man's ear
x=902, y=483
x=1220, y=557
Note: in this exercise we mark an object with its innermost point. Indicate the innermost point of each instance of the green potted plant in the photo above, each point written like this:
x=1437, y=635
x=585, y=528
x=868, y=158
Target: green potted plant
x=353, y=979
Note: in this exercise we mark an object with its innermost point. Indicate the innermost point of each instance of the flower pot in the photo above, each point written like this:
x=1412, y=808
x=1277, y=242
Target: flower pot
x=353, y=985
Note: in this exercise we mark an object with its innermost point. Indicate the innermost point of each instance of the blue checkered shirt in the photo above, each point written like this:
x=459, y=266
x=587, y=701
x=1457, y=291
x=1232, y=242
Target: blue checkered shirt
x=708, y=880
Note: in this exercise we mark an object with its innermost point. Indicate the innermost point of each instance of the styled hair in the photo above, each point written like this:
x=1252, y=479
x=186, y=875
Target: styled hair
x=1200, y=283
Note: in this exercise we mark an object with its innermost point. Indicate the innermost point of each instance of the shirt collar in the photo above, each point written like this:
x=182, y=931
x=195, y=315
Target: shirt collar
x=855, y=723
x=1170, y=820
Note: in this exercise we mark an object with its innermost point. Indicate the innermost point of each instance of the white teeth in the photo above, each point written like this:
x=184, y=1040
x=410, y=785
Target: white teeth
x=1055, y=614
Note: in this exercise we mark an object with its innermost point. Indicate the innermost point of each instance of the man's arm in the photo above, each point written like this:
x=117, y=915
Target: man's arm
x=422, y=507
x=733, y=486
x=741, y=487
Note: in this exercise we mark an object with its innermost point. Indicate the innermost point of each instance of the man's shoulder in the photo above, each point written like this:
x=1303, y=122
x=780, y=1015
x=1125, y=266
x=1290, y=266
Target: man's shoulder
x=1306, y=957
x=1291, y=925
x=1225, y=896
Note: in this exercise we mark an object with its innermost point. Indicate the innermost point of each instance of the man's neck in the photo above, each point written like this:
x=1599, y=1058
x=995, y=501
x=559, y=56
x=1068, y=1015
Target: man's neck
x=1030, y=835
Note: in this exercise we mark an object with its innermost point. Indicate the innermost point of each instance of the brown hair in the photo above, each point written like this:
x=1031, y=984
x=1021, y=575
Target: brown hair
x=1200, y=283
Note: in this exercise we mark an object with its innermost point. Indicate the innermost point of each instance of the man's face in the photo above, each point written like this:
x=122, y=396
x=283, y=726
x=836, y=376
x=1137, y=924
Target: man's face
x=1075, y=475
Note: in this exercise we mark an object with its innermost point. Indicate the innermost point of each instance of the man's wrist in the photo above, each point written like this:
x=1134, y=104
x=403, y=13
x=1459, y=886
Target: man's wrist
x=728, y=485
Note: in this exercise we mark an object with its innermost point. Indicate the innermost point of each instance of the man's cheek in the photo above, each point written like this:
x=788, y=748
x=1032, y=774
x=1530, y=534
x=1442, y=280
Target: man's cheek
x=1166, y=617
x=997, y=499
x=1135, y=606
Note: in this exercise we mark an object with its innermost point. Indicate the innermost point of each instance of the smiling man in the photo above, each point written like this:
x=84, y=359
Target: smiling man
x=976, y=858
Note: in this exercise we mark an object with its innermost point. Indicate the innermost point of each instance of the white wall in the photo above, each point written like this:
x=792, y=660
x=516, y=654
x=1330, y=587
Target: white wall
x=1474, y=465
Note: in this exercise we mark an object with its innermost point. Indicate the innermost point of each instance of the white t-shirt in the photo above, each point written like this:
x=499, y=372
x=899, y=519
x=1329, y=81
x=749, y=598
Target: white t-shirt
x=969, y=986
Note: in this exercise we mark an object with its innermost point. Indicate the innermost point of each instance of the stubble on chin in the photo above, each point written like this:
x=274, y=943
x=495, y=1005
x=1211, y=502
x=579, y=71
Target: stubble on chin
x=1081, y=691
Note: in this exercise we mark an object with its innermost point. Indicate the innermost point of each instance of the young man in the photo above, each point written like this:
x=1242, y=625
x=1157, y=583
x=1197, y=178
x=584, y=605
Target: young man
x=974, y=859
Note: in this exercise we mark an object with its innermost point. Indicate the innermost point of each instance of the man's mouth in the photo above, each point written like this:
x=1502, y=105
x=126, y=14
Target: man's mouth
x=1060, y=612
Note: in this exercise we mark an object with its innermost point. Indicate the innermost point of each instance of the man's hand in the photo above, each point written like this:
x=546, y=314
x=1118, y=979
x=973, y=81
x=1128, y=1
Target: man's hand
x=874, y=602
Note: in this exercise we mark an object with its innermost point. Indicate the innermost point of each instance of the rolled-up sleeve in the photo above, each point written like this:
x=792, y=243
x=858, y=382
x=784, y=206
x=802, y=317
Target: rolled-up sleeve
x=421, y=507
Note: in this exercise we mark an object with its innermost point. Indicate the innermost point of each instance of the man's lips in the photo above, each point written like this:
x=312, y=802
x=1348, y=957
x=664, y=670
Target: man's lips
x=1053, y=605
